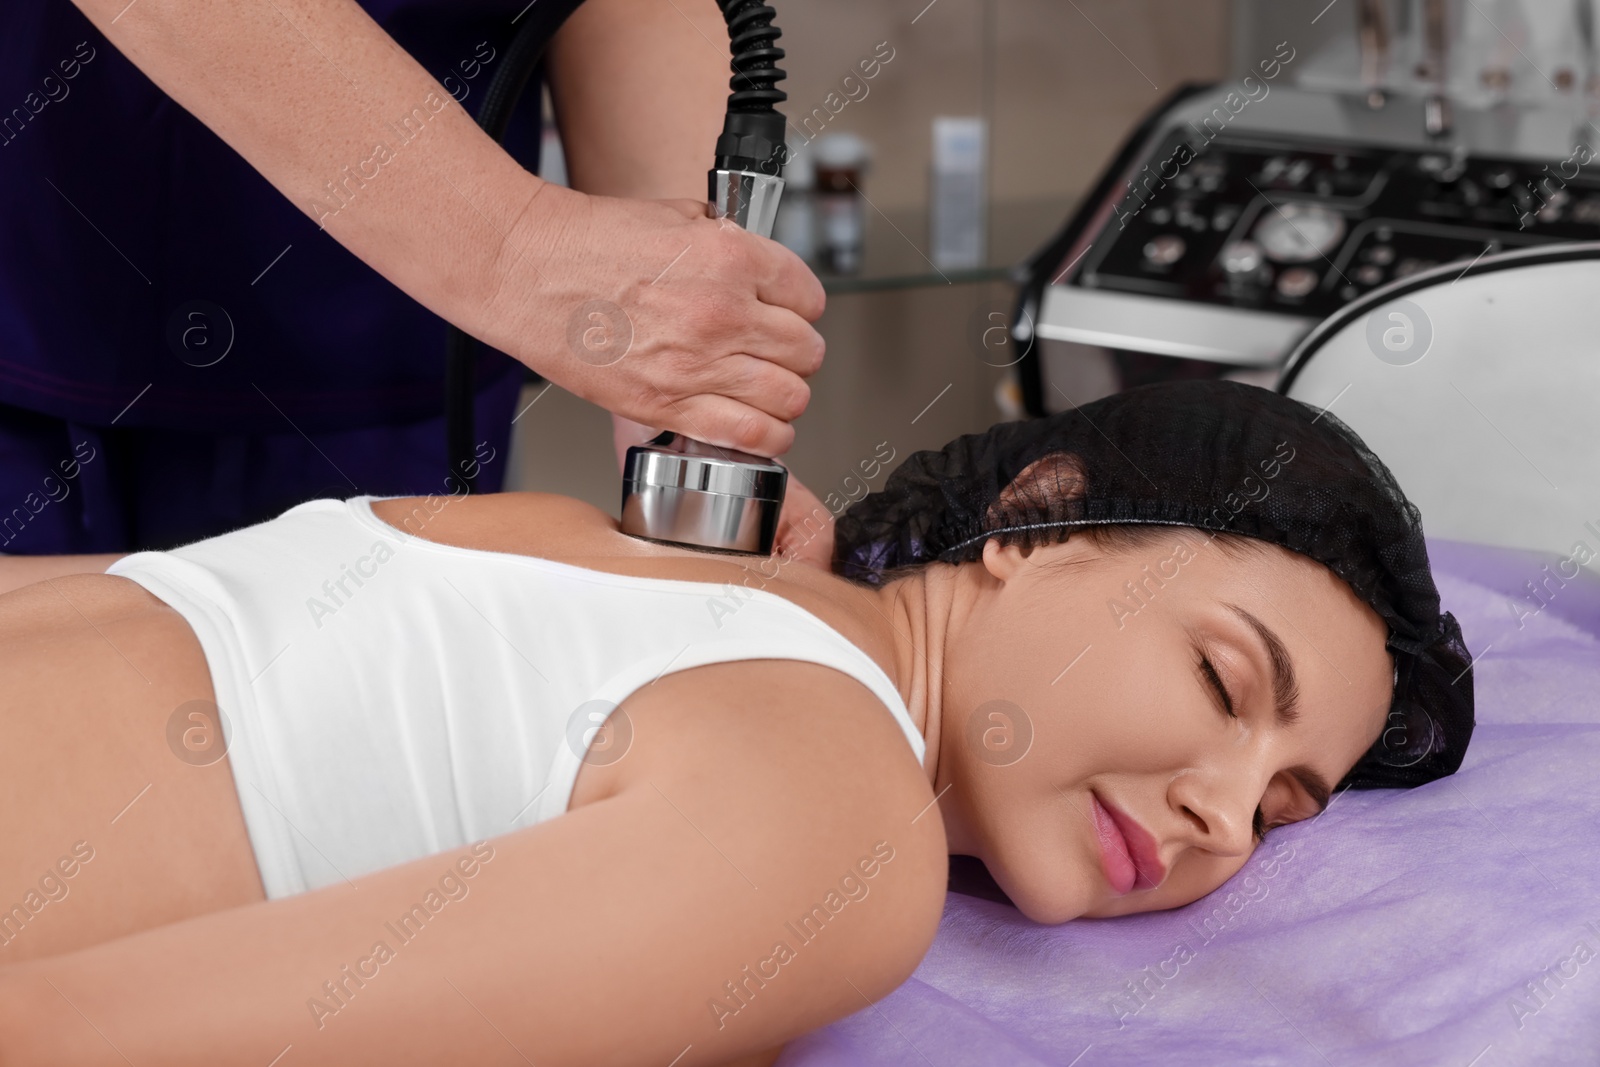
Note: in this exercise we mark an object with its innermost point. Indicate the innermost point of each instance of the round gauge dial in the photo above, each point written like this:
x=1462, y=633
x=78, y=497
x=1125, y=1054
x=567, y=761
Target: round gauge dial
x=1296, y=233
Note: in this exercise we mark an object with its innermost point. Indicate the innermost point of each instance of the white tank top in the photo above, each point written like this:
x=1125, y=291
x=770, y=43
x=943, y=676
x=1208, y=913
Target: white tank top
x=386, y=697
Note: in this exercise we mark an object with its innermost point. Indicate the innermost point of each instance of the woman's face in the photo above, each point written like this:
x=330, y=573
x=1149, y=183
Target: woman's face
x=1075, y=688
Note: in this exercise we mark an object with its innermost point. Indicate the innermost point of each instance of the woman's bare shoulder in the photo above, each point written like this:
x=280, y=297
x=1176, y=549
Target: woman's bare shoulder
x=567, y=530
x=497, y=521
x=558, y=509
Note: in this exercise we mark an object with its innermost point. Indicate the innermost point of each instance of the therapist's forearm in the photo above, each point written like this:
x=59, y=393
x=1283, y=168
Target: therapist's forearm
x=305, y=90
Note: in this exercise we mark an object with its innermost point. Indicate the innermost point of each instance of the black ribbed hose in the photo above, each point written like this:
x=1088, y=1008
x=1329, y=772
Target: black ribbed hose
x=752, y=139
x=499, y=100
x=752, y=134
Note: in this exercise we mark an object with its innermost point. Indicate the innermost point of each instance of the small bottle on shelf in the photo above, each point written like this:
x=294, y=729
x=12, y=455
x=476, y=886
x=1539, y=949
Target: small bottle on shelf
x=841, y=161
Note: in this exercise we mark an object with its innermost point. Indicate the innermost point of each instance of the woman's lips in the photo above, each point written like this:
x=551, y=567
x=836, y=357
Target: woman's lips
x=1127, y=851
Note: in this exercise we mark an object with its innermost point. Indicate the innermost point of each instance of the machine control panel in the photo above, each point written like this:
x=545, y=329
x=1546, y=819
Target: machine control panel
x=1281, y=224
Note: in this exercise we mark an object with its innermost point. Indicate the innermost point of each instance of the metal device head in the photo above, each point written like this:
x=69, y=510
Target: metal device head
x=681, y=491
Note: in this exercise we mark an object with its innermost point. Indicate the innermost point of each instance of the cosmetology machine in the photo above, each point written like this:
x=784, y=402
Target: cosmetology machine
x=1239, y=215
x=675, y=489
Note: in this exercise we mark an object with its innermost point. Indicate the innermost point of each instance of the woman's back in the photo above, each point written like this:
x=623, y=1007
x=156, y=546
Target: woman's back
x=767, y=825
x=402, y=677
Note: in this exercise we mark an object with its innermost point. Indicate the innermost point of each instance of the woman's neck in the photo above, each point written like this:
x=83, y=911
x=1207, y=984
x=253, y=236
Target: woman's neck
x=912, y=616
x=918, y=619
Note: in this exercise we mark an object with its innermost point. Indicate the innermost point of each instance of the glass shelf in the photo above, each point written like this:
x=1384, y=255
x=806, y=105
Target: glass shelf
x=895, y=246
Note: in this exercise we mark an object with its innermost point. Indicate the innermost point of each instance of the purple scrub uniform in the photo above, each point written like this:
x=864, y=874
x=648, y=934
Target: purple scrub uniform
x=184, y=351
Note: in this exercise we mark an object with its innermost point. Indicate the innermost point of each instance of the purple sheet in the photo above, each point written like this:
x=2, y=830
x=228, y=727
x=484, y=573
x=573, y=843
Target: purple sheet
x=1455, y=923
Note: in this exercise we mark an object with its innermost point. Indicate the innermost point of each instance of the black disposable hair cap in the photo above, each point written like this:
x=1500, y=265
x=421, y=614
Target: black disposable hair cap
x=1212, y=454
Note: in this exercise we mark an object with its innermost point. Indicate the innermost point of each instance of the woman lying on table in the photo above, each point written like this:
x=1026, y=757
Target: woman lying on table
x=483, y=780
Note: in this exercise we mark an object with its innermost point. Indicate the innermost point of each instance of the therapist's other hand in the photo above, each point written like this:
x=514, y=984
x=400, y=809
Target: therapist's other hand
x=805, y=527
x=661, y=315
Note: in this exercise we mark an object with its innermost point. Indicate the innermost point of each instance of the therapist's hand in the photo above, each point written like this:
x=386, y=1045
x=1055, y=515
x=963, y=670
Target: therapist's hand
x=661, y=314
x=805, y=527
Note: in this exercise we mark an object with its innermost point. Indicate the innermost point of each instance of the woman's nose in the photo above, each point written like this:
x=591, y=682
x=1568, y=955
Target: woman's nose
x=1220, y=812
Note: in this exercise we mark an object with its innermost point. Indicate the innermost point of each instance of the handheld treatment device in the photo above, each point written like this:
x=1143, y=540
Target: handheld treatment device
x=677, y=490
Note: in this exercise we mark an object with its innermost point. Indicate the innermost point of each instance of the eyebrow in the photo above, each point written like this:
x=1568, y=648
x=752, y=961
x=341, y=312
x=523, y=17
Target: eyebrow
x=1286, y=701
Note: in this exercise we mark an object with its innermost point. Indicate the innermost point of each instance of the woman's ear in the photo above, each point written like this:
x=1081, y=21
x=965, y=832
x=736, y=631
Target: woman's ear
x=1004, y=561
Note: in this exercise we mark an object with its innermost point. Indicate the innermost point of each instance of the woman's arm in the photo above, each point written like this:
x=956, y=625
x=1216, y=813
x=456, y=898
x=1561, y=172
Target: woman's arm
x=643, y=928
x=18, y=571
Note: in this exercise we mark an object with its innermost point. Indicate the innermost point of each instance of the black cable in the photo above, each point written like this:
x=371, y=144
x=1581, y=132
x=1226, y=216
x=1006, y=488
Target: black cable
x=499, y=101
x=752, y=133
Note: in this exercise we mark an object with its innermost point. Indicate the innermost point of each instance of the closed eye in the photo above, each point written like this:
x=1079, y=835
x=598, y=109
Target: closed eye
x=1209, y=670
x=1216, y=683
